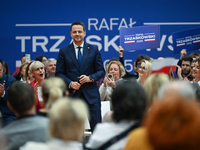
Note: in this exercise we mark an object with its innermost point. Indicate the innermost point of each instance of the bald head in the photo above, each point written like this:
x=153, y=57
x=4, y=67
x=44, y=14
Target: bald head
x=177, y=88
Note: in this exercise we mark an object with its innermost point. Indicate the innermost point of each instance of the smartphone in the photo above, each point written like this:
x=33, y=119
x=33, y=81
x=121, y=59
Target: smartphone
x=110, y=76
x=27, y=57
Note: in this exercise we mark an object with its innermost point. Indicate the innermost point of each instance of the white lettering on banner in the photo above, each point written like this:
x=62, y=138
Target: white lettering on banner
x=162, y=41
x=42, y=44
x=95, y=22
x=105, y=26
x=170, y=41
x=111, y=42
x=23, y=38
x=60, y=40
x=93, y=42
x=123, y=21
x=112, y=23
x=128, y=63
x=98, y=41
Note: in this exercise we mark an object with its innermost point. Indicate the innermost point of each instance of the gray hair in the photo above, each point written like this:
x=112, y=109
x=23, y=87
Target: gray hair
x=182, y=88
x=48, y=60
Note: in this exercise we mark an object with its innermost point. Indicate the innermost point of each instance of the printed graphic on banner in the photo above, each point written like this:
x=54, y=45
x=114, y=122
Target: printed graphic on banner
x=188, y=39
x=139, y=38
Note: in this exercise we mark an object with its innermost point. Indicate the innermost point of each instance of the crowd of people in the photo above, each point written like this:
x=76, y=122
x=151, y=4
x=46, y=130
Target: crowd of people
x=45, y=103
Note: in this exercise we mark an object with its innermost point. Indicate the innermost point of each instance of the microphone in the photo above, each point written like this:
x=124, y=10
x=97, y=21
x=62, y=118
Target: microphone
x=75, y=89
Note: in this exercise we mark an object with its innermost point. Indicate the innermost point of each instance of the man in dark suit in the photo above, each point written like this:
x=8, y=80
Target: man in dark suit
x=5, y=82
x=80, y=65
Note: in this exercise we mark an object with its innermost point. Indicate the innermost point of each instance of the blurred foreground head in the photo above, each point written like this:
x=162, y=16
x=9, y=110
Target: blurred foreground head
x=177, y=88
x=67, y=118
x=174, y=124
x=128, y=101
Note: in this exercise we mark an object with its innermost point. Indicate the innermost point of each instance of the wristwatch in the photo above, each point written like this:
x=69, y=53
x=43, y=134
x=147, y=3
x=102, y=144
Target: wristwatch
x=91, y=79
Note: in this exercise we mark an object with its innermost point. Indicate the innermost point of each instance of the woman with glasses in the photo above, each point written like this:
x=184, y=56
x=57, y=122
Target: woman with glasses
x=144, y=71
x=37, y=70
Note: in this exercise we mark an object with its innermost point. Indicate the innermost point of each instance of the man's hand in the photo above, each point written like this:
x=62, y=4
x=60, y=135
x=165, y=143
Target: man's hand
x=120, y=51
x=183, y=53
x=2, y=89
x=83, y=79
x=75, y=85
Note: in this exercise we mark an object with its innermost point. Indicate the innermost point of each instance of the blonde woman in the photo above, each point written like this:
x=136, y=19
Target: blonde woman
x=152, y=84
x=114, y=73
x=66, y=126
x=52, y=89
x=37, y=71
x=144, y=71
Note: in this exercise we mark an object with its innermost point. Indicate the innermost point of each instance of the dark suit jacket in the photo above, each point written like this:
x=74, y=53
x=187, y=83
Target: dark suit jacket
x=67, y=67
x=3, y=101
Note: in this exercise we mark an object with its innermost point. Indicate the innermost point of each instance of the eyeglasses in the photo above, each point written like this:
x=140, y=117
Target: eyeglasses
x=39, y=68
x=142, y=68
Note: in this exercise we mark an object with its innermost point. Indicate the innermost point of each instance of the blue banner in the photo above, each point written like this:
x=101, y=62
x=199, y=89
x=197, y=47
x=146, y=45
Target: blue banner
x=139, y=38
x=188, y=39
x=43, y=27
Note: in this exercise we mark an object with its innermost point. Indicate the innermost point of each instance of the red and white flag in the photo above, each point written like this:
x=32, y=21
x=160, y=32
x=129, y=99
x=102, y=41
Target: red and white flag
x=164, y=65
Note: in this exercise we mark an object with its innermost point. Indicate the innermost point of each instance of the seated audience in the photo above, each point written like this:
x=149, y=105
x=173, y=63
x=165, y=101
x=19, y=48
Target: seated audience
x=50, y=66
x=5, y=82
x=152, y=84
x=129, y=104
x=197, y=91
x=23, y=72
x=16, y=74
x=185, y=64
x=27, y=126
x=196, y=71
x=52, y=89
x=136, y=63
x=114, y=73
x=28, y=75
x=5, y=69
x=66, y=126
x=144, y=71
x=169, y=125
x=37, y=70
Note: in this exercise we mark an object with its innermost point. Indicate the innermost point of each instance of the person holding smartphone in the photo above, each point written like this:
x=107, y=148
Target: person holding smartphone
x=114, y=73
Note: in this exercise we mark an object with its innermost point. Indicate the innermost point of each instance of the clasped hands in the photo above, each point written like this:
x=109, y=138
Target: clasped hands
x=2, y=89
x=82, y=79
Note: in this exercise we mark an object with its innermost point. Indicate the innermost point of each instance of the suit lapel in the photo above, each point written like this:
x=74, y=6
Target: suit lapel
x=73, y=55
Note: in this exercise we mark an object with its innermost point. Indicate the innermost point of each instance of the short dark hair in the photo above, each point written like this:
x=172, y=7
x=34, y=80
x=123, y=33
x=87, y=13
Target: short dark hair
x=22, y=57
x=187, y=58
x=5, y=65
x=21, y=97
x=39, y=58
x=128, y=101
x=141, y=57
x=194, y=55
x=78, y=23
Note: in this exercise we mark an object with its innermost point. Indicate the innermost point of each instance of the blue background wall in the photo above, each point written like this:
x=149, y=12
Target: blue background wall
x=108, y=17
